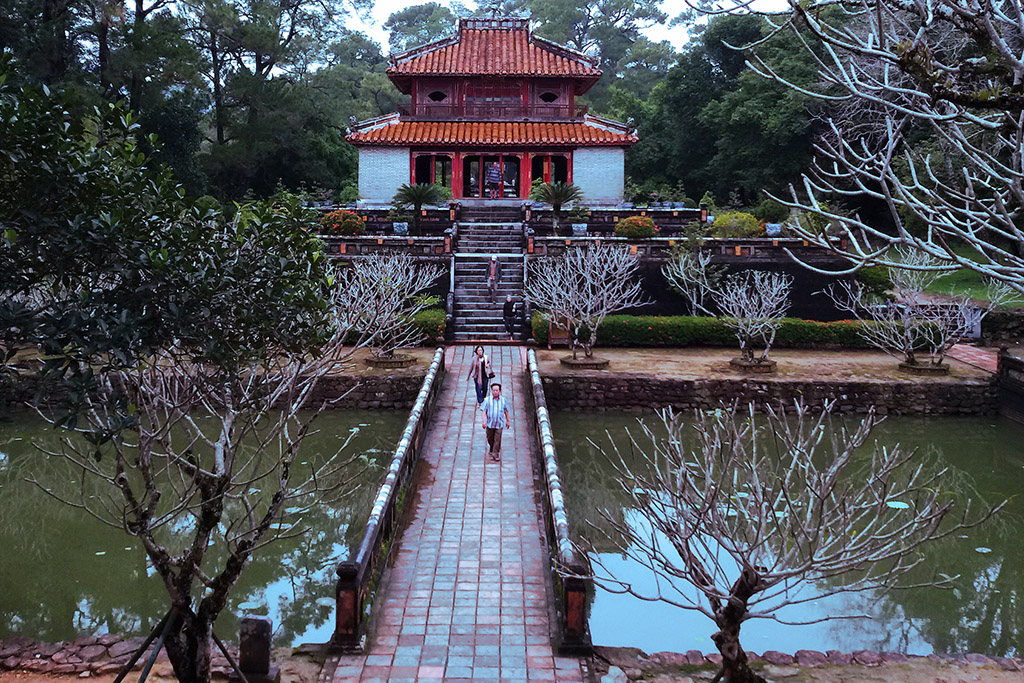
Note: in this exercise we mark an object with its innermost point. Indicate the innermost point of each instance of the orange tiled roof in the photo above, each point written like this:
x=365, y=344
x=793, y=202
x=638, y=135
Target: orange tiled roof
x=493, y=52
x=490, y=133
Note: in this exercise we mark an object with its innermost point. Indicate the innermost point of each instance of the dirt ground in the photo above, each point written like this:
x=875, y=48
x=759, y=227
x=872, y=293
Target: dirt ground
x=795, y=364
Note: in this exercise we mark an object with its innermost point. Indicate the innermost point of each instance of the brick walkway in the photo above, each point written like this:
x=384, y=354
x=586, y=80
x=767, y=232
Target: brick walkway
x=980, y=357
x=466, y=599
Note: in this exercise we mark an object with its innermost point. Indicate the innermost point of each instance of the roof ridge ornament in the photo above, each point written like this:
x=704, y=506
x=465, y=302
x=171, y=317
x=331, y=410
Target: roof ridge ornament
x=494, y=24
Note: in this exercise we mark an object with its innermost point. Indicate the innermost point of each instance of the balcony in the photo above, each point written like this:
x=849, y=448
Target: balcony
x=492, y=111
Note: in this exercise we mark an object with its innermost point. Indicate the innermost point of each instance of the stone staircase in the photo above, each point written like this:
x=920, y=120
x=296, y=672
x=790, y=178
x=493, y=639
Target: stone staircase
x=486, y=232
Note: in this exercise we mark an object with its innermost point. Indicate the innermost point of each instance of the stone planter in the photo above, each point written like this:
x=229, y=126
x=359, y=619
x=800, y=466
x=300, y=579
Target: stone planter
x=753, y=366
x=592, y=363
x=924, y=369
x=399, y=360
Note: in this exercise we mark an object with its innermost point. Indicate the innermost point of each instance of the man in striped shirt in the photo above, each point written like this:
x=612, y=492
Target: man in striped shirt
x=496, y=418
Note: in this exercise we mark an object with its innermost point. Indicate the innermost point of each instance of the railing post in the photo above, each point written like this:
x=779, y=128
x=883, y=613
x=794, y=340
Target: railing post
x=349, y=608
x=574, y=610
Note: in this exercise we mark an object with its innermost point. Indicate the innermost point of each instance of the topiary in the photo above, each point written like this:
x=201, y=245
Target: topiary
x=636, y=227
x=771, y=211
x=737, y=224
x=342, y=223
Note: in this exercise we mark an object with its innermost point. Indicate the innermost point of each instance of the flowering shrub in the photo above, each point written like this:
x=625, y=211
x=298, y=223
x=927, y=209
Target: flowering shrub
x=636, y=227
x=342, y=223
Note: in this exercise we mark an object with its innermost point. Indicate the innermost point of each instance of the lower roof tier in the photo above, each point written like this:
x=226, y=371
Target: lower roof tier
x=391, y=130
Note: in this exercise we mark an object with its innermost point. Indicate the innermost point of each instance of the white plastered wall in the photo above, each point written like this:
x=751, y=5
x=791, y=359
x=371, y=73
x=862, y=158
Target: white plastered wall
x=382, y=170
x=599, y=171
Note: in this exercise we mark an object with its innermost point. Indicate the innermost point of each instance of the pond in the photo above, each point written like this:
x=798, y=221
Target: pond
x=983, y=613
x=63, y=573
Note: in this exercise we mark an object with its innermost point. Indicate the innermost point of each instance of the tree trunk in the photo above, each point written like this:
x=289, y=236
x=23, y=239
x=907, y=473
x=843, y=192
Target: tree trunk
x=735, y=667
x=189, y=648
x=729, y=617
x=218, y=94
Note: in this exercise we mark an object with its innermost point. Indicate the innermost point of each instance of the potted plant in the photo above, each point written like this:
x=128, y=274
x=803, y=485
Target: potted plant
x=416, y=197
x=557, y=195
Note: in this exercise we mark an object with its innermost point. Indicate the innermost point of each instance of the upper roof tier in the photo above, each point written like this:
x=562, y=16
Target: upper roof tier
x=492, y=47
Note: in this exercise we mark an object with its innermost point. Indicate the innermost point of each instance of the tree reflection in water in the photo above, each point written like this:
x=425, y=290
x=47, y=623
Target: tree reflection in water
x=984, y=613
x=64, y=574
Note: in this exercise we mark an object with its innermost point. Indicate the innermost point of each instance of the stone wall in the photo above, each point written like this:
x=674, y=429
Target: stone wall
x=396, y=389
x=643, y=393
x=381, y=172
x=598, y=171
x=1006, y=325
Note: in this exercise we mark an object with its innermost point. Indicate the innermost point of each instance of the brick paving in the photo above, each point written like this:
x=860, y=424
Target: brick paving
x=467, y=598
x=980, y=357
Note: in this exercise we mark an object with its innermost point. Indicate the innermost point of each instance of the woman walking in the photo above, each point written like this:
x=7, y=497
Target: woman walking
x=480, y=371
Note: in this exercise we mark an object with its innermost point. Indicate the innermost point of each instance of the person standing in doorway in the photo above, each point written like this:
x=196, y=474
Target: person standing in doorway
x=496, y=418
x=480, y=372
x=492, y=178
x=493, y=277
x=508, y=314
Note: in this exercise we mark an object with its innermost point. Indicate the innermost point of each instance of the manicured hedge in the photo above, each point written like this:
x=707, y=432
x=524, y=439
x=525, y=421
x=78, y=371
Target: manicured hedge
x=646, y=330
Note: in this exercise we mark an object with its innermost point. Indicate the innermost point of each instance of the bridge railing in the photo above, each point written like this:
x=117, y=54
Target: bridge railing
x=356, y=575
x=570, y=567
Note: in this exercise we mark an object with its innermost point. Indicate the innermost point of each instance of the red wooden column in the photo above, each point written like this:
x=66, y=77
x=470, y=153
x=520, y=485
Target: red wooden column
x=457, y=175
x=524, y=175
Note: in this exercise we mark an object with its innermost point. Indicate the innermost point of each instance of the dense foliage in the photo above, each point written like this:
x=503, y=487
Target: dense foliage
x=104, y=262
x=247, y=97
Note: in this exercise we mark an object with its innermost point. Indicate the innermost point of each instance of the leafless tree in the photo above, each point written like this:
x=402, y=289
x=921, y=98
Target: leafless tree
x=912, y=321
x=753, y=302
x=581, y=288
x=940, y=80
x=746, y=512
x=383, y=294
x=690, y=272
x=201, y=457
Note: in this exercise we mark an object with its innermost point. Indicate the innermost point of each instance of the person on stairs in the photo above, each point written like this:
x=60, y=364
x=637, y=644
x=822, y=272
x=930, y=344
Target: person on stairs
x=480, y=372
x=508, y=315
x=493, y=277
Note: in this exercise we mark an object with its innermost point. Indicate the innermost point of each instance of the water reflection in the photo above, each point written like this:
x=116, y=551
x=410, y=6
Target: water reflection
x=984, y=613
x=63, y=573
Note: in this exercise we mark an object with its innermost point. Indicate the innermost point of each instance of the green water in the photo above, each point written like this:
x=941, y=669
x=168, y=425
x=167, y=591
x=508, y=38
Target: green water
x=63, y=573
x=985, y=612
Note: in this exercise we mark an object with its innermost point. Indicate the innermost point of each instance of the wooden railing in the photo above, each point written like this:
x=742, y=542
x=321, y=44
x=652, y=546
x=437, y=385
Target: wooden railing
x=356, y=574
x=491, y=111
x=747, y=250
x=571, y=572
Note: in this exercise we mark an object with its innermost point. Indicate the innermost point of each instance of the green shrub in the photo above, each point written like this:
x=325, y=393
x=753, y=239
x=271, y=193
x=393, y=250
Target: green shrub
x=737, y=224
x=875, y=279
x=342, y=223
x=636, y=227
x=771, y=211
x=431, y=323
x=683, y=330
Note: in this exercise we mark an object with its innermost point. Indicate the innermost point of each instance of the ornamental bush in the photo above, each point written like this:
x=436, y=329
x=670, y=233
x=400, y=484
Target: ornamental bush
x=685, y=330
x=737, y=224
x=342, y=223
x=636, y=227
x=431, y=323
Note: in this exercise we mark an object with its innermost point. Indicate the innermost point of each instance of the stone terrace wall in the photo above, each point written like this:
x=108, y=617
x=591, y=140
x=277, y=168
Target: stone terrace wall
x=396, y=389
x=641, y=393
